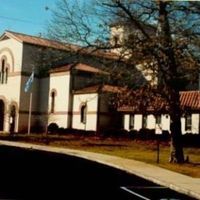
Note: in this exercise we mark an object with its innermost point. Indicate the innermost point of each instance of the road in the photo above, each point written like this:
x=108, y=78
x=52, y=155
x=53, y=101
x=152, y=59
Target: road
x=31, y=174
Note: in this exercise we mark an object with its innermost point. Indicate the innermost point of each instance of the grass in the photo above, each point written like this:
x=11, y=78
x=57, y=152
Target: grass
x=145, y=151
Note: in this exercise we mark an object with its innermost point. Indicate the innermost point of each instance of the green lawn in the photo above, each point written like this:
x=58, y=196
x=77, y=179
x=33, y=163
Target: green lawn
x=145, y=151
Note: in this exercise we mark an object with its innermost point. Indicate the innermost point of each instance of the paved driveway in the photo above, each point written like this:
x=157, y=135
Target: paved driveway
x=36, y=174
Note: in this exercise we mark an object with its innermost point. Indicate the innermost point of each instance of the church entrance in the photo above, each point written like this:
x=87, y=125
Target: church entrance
x=12, y=118
x=2, y=108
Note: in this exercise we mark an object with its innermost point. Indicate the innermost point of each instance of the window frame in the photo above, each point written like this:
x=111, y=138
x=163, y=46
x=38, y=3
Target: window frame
x=132, y=122
x=188, y=122
x=83, y=113
x=158, y=119
x=53, y=95
x=2, y=71
x=144, y=121
x=6, y=75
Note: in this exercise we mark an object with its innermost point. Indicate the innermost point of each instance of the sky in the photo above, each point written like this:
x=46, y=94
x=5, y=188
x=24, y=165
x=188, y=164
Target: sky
x=25, y=16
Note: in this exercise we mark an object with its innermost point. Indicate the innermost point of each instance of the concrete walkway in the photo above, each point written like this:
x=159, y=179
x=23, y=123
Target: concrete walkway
x=178, y=182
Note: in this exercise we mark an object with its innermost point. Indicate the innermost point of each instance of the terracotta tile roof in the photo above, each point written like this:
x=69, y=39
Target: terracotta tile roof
x=88, y=68
x=34, y=40
x=90, y=89
x=189, y=100
x=104, y=54
x=100, y=88
x=79, y=67
x=64, y=68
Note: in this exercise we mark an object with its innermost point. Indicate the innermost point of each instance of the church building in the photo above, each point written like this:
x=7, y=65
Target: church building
x=68, y=90
x=68, y=95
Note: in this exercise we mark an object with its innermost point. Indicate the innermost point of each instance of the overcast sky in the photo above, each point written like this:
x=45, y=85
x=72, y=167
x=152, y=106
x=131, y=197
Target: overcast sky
x=25, y=16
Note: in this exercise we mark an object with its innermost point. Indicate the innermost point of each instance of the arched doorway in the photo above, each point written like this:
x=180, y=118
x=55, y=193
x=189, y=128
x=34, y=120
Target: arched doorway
x=2, y=109
x=12, y=118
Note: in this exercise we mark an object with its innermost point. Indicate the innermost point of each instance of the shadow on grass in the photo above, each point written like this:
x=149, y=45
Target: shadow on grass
x=104, y=145
x=195, y=163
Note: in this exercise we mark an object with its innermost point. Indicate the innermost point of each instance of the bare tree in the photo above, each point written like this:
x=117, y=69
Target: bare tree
x=158, y=37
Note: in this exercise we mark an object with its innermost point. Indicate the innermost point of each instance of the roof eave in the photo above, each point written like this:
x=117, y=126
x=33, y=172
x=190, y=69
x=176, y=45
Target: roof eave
x=10, y=35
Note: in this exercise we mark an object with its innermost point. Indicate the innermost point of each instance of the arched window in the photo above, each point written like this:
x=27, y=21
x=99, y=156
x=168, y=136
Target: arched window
x=2, y=110
x=53, y=94
x=6, y=80
x=3, y=63
x=83, y=113
x=12, y=118
x=2, y=71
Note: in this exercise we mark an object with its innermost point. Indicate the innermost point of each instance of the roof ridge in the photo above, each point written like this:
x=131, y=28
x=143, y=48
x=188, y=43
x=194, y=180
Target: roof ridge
x=77, y=66
x=52, y=41
x=43, y=38
x=99, y=88
x=186, y=91
x=41, y=41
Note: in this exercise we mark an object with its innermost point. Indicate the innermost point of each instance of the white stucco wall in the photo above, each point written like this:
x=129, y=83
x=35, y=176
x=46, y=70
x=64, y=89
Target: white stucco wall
x=11, y=50
x=92, y=105
x=165, y=123
x=151, y=122
x=117, y=31
x=120, y=33
x=138, y=122
x=126, y=122
x=183, y=125
x=60, y=83
x=195, y=124
x=20, y=61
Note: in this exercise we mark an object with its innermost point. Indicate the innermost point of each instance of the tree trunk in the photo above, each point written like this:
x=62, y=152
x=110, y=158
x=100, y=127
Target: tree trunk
x=171, y=88
x=176, y=149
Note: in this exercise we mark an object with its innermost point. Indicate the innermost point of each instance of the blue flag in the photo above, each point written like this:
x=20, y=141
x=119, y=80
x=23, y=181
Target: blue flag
x=29, y=82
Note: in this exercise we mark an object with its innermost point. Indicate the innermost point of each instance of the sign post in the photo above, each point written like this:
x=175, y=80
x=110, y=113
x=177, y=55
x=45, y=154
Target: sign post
x=30, y=112
x=26, y=89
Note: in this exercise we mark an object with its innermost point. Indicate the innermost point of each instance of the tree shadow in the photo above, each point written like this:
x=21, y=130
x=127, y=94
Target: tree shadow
x=195, y=163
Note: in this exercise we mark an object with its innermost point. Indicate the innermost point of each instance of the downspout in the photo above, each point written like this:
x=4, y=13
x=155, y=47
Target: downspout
x=199, y=123
x=199, y=100
x=70, y=104
x=98, y=114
